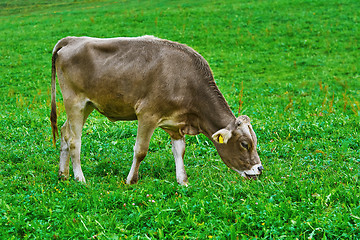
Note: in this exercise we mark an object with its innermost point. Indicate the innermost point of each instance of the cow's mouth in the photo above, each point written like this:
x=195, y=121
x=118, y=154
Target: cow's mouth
x=253, y=173
x=251, y=177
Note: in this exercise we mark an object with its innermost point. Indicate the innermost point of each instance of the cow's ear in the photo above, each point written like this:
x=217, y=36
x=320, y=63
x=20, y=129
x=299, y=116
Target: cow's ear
x=222, y=136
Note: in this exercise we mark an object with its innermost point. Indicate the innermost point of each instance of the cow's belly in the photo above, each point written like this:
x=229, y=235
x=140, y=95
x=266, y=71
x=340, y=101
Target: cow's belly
x=116, y=111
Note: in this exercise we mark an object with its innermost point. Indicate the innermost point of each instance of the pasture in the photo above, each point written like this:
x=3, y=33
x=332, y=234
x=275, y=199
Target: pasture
x=292, y=66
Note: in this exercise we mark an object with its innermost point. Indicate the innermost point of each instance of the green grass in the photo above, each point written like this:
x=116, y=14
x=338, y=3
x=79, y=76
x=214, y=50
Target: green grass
x=295, y=65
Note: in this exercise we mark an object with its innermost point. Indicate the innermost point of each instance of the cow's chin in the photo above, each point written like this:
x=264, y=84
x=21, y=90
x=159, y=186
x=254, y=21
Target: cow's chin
x=253, y=173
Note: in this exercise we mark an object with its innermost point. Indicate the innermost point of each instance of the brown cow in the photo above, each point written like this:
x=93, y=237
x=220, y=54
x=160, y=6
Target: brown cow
x=157, y=82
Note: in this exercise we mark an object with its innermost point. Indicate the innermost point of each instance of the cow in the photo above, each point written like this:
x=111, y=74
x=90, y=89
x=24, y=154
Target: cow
x=157, y=82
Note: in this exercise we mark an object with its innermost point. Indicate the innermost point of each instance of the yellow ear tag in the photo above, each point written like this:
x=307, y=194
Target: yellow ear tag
x=221, y=139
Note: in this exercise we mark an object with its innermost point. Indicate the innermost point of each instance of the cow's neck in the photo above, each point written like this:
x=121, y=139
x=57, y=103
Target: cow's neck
x=216, y=115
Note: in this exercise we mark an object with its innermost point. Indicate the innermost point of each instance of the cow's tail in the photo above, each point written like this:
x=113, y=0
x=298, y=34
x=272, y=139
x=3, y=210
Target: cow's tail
x=53, y=115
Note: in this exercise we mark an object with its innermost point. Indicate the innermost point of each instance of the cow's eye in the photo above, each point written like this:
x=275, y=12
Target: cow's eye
x=245, y=145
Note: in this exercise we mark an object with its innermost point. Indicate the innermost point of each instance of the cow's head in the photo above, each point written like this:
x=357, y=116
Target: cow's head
x=236, y=145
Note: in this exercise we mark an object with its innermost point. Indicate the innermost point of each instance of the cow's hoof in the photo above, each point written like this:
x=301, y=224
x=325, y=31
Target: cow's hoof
x=62, y=176
x=182, y=180
x=184, y=183
x=80, y=179
x=131, y=182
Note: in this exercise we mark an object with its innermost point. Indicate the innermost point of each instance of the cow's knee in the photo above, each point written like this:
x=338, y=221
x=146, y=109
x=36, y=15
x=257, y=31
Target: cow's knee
x=140, y=155
x=72, y=145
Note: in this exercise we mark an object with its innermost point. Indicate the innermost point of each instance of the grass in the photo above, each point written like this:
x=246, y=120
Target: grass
x=293, y=64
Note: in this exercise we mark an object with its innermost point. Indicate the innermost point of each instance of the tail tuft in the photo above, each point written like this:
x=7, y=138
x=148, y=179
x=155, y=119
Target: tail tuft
x=53, y=119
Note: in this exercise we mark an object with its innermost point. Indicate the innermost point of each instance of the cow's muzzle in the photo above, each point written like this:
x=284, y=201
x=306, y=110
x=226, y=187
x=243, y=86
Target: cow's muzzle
x=253, y=173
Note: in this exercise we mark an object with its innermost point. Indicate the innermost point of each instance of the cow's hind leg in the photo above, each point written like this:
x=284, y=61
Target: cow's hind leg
x=77, y=113
x=64, y=152
x=178, y=149
x=145, y=130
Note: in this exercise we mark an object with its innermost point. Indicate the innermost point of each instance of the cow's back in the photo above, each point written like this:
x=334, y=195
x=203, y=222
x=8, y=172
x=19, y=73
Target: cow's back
x=122, y=76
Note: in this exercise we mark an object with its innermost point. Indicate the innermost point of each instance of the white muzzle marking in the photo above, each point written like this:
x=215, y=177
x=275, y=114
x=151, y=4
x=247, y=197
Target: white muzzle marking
x=254, y=171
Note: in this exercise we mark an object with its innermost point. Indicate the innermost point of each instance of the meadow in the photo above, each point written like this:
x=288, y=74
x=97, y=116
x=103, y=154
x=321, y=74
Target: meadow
x=292, y=66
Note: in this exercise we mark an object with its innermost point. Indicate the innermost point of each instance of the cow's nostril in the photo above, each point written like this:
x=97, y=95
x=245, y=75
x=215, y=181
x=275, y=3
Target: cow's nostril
x=261, y=168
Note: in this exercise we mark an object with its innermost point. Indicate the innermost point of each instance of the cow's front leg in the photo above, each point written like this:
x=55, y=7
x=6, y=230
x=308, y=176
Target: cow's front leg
x=144, y=133
x=178, y=149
